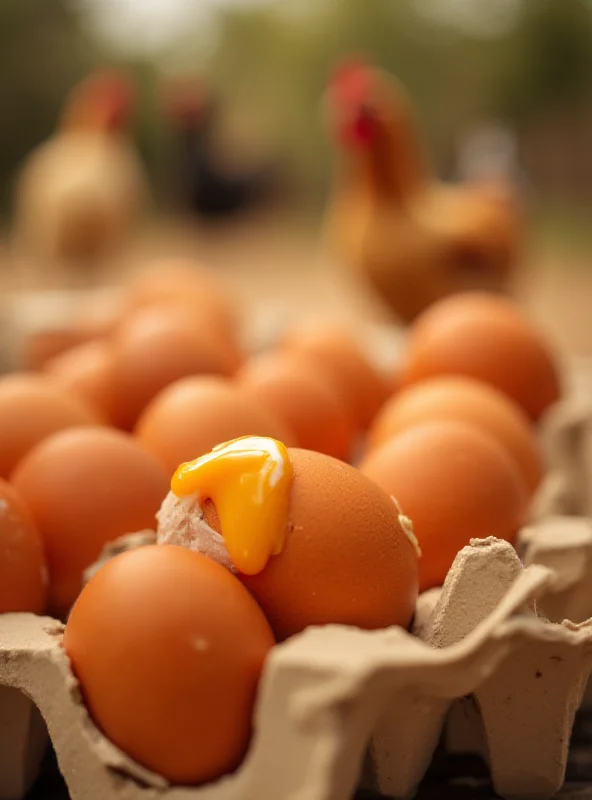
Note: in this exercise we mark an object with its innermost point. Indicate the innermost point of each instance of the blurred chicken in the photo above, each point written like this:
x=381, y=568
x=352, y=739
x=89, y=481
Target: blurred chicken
x=204, y=184
x=411, y=237
x=81, y=192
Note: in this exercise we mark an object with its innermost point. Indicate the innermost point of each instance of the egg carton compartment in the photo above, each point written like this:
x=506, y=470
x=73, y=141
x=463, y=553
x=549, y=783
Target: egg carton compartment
x=337, y=703
x=563, y=545
x=566, y=440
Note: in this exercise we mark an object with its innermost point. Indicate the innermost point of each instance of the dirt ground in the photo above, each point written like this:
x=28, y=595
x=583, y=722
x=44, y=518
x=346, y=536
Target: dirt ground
x=280, y=273
x=272, y=266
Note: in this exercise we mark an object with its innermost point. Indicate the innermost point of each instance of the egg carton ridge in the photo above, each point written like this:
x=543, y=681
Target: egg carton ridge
x=335, y=698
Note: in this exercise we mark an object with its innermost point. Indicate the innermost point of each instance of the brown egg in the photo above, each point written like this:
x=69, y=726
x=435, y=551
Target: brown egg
x=455, y=483
x=154, y=348
x=182, y=283
x=32, y=407
x=86, y=371
x=393, y=383
x=485, y=337
x=346, y=558
x=298, y=394
x=362, y=388
x=195, y=414
x=42, y=346
x=465, y=400
x=84, y=488
x=23, y=574
x=168, y=647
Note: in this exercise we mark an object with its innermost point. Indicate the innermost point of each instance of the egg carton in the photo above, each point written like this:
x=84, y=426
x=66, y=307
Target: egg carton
x=339, y=706
x=566, y=440
x=559, y=536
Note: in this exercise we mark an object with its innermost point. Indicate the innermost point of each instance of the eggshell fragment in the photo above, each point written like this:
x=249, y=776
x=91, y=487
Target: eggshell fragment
x=193, y=415
x=168, y=647
x=465, y=400
x=455, y=483
x=487, y=338
x=86, y=487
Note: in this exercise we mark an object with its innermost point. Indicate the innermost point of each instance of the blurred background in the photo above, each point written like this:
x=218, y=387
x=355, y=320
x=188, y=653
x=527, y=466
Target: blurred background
x=504, y=85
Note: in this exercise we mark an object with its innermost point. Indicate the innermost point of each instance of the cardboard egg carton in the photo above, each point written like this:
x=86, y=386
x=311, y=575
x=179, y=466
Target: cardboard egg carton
x=559, y=536
x=339, y=705
x=566, y=440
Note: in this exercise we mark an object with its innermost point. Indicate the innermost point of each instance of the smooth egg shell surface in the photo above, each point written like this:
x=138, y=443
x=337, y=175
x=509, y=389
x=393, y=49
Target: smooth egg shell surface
x=23, y=573
x=465, y=400
x=360, y=386
x=153, y=349
x=86, y=371
x=487, y=338
x=33, y=407
x=168, y=647
x=299, y=395
x=87, y=487
x=45, y=345
x=455, y=483
x=193, y=415
x=177, y=283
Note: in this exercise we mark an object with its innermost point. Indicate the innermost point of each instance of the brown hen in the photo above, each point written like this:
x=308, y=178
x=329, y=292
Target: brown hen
x=80, y=192
x=411, y=237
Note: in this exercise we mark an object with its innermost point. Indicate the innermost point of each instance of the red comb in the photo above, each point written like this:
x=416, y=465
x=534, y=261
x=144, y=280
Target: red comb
x=111, y=93
x=350, y=79
x=110, y=85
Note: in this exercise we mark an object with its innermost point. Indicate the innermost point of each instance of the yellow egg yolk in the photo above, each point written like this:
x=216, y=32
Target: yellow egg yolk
x=249, y=481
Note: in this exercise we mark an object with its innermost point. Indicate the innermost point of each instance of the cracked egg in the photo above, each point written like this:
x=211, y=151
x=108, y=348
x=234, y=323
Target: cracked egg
x=314, y=540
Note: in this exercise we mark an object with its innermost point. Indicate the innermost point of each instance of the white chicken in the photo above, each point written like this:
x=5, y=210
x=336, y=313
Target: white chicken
x=81, y=192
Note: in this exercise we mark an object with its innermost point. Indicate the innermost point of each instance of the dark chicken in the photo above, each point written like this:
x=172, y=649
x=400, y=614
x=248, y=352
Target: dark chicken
x=202, y=185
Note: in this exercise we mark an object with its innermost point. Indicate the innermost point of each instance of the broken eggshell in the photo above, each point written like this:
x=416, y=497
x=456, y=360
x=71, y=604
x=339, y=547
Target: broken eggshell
x=181, y=521
x=130, y=541
x=566, y=440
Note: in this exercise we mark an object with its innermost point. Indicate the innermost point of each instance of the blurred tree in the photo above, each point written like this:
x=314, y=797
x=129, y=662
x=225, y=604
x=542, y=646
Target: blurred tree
x=547, y=60
x=271, y=63
x=44, y=50
x=42, y=54
x=544, y=88
x=278, y=62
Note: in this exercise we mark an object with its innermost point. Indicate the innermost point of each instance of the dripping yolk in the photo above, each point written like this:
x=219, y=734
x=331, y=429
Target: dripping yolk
x=249, y=481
